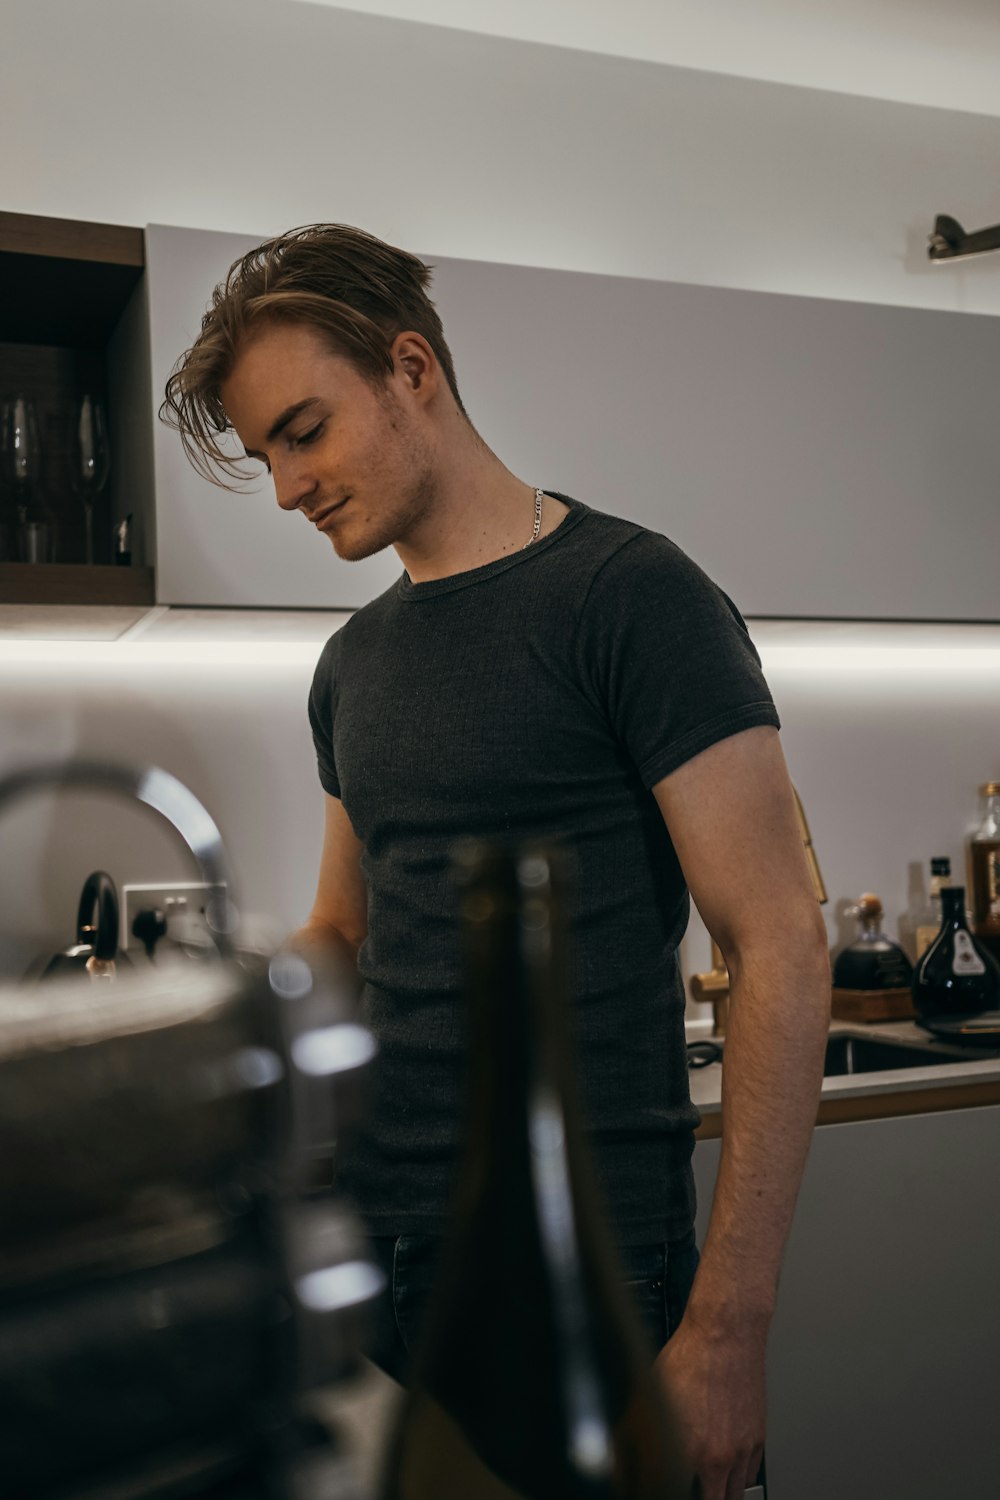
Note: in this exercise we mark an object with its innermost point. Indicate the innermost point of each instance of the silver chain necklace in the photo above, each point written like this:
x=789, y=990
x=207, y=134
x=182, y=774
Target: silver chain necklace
x=538, y=519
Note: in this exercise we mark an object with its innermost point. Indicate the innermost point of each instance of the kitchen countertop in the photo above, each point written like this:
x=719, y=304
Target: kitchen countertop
x=864, y=1096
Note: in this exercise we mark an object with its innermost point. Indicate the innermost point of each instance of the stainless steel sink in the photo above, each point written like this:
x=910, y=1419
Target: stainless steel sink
x=868, y=1054
x=847, y=1053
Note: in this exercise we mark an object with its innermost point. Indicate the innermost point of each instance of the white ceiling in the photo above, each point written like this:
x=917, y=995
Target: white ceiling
x=944, y=53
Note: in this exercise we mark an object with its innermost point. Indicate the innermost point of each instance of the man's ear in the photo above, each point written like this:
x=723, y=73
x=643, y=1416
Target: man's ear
x=413, y=355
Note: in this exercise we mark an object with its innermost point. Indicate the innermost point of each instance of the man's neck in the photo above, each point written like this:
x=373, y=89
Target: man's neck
x=480, y=514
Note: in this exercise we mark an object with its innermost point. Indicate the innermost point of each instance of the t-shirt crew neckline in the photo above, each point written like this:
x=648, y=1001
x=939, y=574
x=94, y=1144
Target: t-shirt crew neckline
x=409, y=590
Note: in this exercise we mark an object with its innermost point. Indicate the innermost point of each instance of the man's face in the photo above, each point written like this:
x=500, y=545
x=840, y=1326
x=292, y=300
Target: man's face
x=357, y=462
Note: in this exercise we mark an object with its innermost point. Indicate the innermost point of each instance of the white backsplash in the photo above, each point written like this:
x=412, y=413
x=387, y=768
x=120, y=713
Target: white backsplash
x=888, y=731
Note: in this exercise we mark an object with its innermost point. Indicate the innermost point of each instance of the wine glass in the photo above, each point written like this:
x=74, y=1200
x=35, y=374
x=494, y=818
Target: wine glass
x=22, y=458
x=90, y=460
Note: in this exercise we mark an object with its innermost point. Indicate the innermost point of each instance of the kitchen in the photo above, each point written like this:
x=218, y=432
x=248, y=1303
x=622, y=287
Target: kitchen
x=766, y=165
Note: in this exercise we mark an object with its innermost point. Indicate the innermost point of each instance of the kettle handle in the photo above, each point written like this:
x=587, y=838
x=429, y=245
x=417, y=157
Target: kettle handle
x=162, y=792
x=97, y=915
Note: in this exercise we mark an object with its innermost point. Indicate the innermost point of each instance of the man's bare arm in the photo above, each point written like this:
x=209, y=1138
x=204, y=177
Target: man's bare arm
x=731, y=815
x=338, y=922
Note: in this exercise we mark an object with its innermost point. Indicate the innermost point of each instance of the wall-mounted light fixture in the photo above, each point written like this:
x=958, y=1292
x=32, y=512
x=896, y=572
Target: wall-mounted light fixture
x=950, y=241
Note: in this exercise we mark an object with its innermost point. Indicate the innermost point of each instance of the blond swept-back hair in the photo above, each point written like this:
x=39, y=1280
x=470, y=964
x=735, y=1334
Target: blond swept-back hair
x=357, y=291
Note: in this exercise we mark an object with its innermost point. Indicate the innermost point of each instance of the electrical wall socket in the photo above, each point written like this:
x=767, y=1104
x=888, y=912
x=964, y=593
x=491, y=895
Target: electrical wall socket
x=182, y=902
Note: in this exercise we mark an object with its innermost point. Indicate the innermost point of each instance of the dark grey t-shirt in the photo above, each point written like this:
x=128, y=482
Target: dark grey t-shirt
x=541, y=697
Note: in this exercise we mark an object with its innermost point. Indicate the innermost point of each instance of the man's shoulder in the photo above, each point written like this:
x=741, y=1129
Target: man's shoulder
x=597, y=537
x=615, y=547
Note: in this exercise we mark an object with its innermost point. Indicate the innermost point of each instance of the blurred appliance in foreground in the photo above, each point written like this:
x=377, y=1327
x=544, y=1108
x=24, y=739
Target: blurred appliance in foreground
x=871, y=976
x=984, y=860
x=533, y=1379
x=170, y=1289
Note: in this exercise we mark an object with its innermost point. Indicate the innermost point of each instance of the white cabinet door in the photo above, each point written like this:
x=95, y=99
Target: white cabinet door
x=817, y=458
x=214, y=547
x=883, y=1352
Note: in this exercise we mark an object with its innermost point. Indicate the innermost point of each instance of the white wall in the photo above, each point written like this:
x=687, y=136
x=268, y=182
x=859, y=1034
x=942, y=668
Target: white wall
x=254, y=115
x=910, y=51
x=887, y=730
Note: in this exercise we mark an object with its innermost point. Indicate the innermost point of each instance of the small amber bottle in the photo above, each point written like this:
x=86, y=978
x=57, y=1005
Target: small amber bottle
x=984, y=861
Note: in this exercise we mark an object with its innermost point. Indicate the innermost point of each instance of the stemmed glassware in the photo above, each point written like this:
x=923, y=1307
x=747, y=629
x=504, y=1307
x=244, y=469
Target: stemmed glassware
x=90, y=460
x=22, y=457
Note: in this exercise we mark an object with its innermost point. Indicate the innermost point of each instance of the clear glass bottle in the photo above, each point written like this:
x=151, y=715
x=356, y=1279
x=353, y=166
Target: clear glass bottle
x=929, y=921
x=873, y=961
x=533, y=1380
x=984, y=861
x=957, y=977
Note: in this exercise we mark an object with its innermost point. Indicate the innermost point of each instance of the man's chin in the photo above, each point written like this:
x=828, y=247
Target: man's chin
x=356, y=549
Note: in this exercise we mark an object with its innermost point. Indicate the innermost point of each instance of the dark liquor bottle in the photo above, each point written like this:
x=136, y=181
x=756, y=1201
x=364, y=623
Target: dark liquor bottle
x=533, y=1381
x=984, y=858
x=956, y=977
x=873, y=961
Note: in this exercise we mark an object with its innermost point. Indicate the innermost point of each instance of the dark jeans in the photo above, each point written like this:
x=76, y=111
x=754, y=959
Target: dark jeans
x=658, y=1277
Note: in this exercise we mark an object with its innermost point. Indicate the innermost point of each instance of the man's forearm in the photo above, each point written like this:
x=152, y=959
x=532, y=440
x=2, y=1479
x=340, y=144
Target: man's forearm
x=779, y=1017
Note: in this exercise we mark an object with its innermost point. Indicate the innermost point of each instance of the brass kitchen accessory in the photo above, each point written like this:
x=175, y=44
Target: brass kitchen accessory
x=172, y=1285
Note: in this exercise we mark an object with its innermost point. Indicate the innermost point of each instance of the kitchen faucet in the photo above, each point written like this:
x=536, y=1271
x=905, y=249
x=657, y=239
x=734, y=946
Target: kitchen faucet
x=713, y=986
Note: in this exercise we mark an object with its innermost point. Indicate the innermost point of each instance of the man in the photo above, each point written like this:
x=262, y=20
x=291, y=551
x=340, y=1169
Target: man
x=540, y=670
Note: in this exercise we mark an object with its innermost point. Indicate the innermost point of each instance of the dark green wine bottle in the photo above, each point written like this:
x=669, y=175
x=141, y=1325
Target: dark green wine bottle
x=533, y=1380
x=956, y=978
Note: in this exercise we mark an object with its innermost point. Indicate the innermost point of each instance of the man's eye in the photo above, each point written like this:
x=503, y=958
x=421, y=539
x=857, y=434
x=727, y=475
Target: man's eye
x=308, y=437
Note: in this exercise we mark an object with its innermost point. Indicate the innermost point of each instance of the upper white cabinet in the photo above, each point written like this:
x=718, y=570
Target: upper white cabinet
x=818, y=458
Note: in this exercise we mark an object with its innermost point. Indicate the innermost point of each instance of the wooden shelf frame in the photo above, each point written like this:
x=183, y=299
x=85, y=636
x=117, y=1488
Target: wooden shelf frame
x=75, y=583
x=71, y=239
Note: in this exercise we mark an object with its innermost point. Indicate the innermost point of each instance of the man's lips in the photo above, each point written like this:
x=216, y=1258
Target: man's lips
x=322, y=515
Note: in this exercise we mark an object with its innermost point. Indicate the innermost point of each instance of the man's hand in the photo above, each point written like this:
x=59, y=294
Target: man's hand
x=714, y=1384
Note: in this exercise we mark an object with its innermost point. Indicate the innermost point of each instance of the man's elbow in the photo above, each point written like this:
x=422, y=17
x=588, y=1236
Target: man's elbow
x=322, y=941
x=794, y=954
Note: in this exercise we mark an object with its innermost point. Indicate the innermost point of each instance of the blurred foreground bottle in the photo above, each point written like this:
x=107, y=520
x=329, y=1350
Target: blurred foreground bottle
x=534, y=1379
x=956, y=977
x=984, y=859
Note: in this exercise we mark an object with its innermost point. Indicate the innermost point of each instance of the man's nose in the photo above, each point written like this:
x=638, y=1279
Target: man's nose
x=292, y=486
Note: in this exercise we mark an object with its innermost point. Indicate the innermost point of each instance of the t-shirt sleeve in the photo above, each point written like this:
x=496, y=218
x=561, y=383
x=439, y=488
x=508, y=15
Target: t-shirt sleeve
x=322, y=708
x=668, y=656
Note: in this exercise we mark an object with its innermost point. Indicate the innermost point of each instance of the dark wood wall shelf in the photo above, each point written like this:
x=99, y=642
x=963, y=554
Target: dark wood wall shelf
x=67, y=284
x=72, y=583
